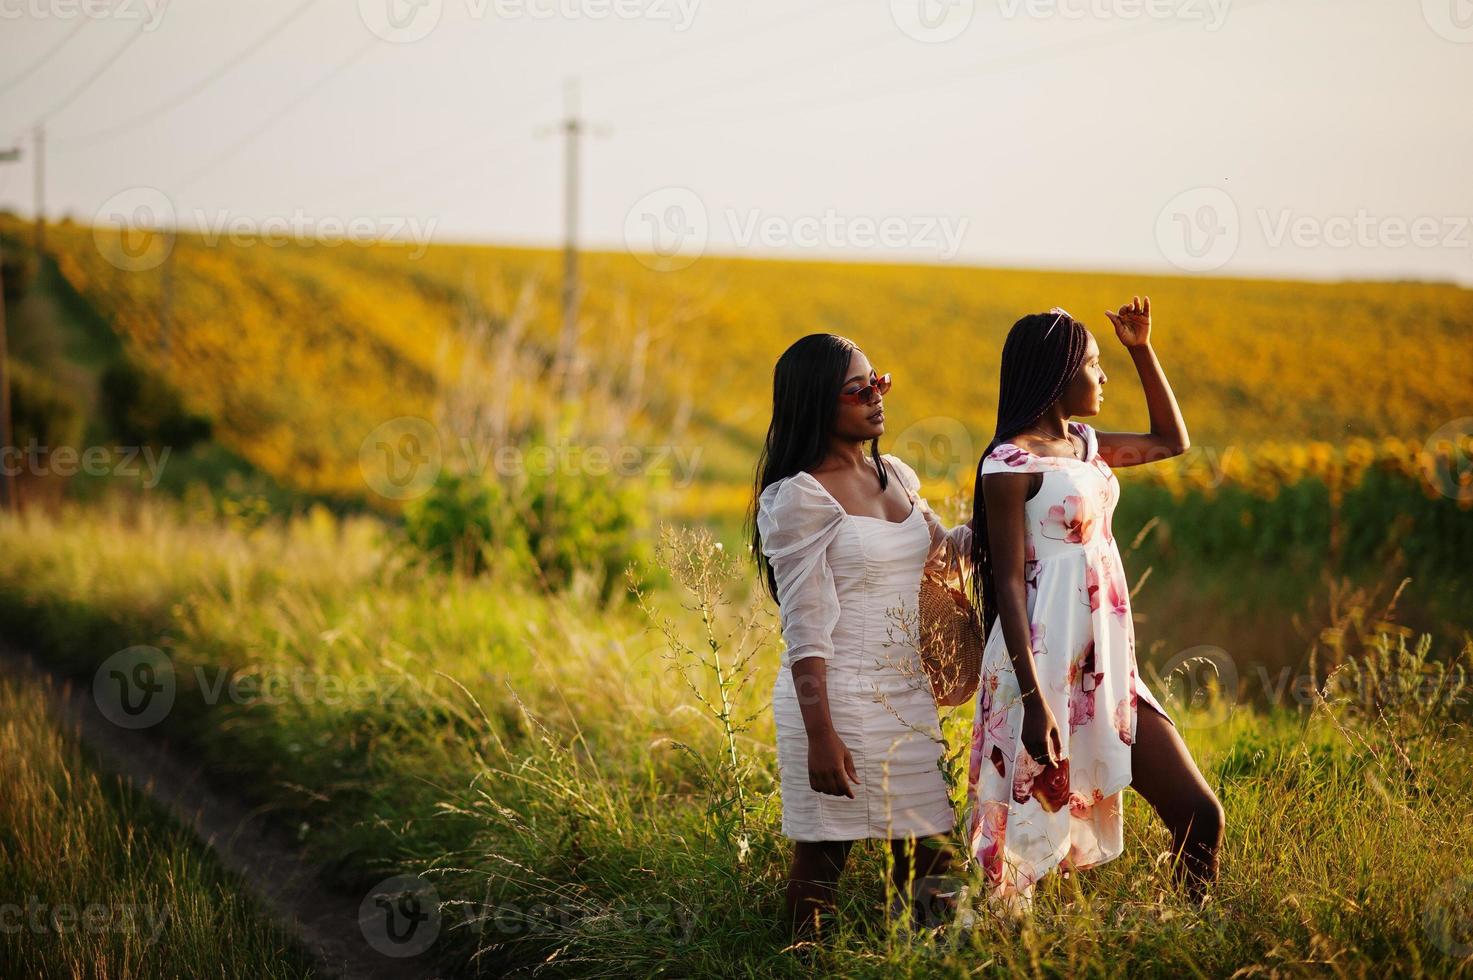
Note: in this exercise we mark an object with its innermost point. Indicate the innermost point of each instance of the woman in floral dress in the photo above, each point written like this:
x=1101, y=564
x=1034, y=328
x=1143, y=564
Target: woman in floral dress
x=1059, y=732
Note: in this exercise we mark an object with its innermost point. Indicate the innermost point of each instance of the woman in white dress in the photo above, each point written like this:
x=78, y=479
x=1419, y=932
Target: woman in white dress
x=841, y=539
x=1062, y=724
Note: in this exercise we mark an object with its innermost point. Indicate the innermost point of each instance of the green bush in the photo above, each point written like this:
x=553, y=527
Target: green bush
x=554, y=528
x=41, y=410
x=146, y=410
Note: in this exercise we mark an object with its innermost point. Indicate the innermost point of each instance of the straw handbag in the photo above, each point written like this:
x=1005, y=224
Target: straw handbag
x=950, y=642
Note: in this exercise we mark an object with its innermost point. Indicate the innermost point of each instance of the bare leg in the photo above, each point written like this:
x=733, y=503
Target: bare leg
x=813, y=883
x=1163, y=772
x=928, y=856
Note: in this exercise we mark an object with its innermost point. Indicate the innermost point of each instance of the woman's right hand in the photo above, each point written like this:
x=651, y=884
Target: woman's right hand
x=830, y=766
x=1041, y=737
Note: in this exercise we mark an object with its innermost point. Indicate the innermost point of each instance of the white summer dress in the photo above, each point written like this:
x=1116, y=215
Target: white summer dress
x=1026, y=818
x=838, y=576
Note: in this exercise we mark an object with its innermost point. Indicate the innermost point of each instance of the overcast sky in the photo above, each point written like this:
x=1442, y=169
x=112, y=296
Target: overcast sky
x=1291, y=138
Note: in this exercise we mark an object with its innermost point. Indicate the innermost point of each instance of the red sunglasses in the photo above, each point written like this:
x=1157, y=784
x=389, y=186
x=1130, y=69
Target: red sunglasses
x=877, y=386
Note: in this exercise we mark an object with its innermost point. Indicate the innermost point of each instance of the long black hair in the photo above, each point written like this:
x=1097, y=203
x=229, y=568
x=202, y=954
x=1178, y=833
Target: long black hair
x=1042, y=354
x=805, y=398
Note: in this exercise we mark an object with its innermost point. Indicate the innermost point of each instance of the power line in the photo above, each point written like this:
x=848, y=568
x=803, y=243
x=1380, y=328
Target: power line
x=1036, y=55
x=31, y=69
x=278, y=116
x=621, y=67
x=71, y=97
x=185, y=94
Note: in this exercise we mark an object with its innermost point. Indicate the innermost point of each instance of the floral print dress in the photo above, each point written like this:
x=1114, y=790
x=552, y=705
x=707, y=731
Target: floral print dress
x=1025, y=818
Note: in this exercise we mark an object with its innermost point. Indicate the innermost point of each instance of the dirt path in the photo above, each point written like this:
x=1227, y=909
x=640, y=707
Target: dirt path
x=326, y=922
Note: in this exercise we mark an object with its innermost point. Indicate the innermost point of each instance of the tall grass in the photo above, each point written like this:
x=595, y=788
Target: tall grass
x=101, y=883
x=597, y=795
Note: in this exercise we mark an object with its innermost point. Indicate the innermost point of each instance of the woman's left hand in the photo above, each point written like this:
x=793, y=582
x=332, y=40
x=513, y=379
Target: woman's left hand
x=1133, y=322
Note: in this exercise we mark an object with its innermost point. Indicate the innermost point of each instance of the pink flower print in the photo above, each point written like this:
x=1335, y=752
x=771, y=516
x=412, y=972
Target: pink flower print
x=1051, y=786
x=974, y=769
x=1023, y=777
x=1122, y=720
x=1117, y=596
x=1091, y=588
x=1070, y=521
x=1036, y=633
x=1080, y=805
x=989, y=831
x=1010, y=455
x=1108, y=511
x=1083, y=680
x=1030, y=566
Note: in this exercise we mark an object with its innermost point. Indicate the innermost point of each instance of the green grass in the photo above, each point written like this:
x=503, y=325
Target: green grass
x=560, y=780
x=99, y=882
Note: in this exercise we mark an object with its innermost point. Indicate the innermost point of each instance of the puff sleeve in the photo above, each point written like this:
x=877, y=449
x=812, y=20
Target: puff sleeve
x=797, y=522
x=959, y=538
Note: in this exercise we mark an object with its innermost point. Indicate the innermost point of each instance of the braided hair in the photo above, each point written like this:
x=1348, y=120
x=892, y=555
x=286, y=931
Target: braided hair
x=1041, y=355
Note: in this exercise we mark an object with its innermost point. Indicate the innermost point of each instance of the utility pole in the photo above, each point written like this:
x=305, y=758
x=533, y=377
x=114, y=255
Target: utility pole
x=40, y=136
x=8, y=500
x=573, y=128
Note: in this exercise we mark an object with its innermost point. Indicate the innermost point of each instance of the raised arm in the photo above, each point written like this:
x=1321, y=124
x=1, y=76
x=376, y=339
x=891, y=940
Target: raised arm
x=1168, y=436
